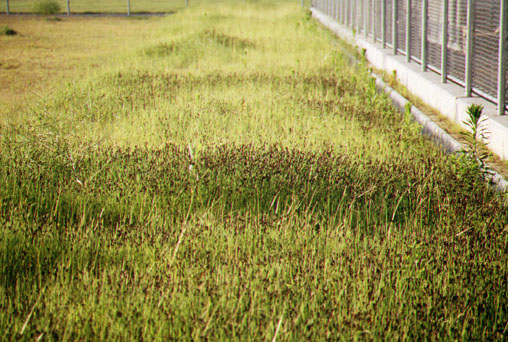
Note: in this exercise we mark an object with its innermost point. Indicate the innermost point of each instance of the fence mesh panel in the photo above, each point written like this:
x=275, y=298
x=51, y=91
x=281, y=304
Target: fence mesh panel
x=457, y=21
x=486, y=46
x=401, y=25
x=389, y=6
x=362, y=15
x=416, y=29
x=365, y=16
x=378, y=19
x=368, y=17
x=434, y=33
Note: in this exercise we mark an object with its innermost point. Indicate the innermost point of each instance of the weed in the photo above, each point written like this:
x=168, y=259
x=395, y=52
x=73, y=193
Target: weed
x=7, y=31
x=473, y=138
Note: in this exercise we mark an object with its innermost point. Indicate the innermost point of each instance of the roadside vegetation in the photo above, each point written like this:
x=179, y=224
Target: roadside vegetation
x=95, y=6
x=232, y=177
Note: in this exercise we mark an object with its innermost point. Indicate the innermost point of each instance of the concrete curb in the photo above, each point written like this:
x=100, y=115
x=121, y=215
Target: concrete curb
x=429, y=127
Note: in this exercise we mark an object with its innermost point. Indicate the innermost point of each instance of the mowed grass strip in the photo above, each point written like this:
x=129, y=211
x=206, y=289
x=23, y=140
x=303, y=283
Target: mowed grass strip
x=234, y=178
x=94, y=6
x=47, y=53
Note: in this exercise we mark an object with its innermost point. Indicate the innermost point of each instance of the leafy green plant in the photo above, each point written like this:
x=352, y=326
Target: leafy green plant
x=474, y=137
x=371, y=92
x=47, y=7
x=7, y=31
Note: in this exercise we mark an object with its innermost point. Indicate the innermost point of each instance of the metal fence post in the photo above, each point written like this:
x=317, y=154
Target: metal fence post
x=128, y=7
x=186, y=3
x=408, y=31
x=469, y=47
x=501, y=79
x=303, y=3
x=383, y=23
x=425, y=6
x=444, y=44
x=68, y=7
x=7, y=7
x=394, y=27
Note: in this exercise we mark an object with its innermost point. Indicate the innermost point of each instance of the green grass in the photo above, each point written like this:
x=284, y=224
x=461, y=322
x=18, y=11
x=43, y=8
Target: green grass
x=111, y=6
x=234, y=178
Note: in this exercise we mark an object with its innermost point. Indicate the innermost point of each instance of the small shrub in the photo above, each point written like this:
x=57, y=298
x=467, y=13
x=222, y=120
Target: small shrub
x=7, y=31
x=477, y=133
x=47, y=7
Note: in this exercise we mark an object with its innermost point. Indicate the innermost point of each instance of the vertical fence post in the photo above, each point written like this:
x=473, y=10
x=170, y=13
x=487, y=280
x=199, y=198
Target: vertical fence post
x=501, y=79
x=425, y=6
x=408, y=31
x=444, y=44
x=383, y=23
x=7, y=7
x=394, y=27
x=186, y=3
x=469, y=47
x=68, y=7
x=128, y=7
x=302, y=3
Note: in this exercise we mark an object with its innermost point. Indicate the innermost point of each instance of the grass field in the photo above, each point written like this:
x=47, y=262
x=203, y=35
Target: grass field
x=96, y=6
x=224, y=174
x=46, y=53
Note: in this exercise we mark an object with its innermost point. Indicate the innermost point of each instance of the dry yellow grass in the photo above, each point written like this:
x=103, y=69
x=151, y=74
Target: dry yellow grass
x=46, y=52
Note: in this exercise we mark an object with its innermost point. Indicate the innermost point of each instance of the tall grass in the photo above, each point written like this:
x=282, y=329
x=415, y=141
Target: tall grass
x=233, y=179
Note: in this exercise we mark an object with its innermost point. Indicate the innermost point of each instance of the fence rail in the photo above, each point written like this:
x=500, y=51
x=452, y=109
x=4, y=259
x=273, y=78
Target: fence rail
x=465, y=41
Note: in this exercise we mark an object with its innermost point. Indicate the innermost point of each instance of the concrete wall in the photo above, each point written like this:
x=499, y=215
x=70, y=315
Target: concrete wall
x=447, y=98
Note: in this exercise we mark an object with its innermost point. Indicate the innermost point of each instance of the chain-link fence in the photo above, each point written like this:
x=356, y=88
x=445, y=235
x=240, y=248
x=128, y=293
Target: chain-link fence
x=465, y=41
x=95, y=6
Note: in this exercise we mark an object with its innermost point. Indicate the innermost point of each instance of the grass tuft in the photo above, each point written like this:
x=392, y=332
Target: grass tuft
x=7, y=31
x=46, y=7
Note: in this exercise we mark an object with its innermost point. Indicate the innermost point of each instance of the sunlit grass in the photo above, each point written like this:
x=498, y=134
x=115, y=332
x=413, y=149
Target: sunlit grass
x=44, y=54
x=225, y=174
x=110, y=6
